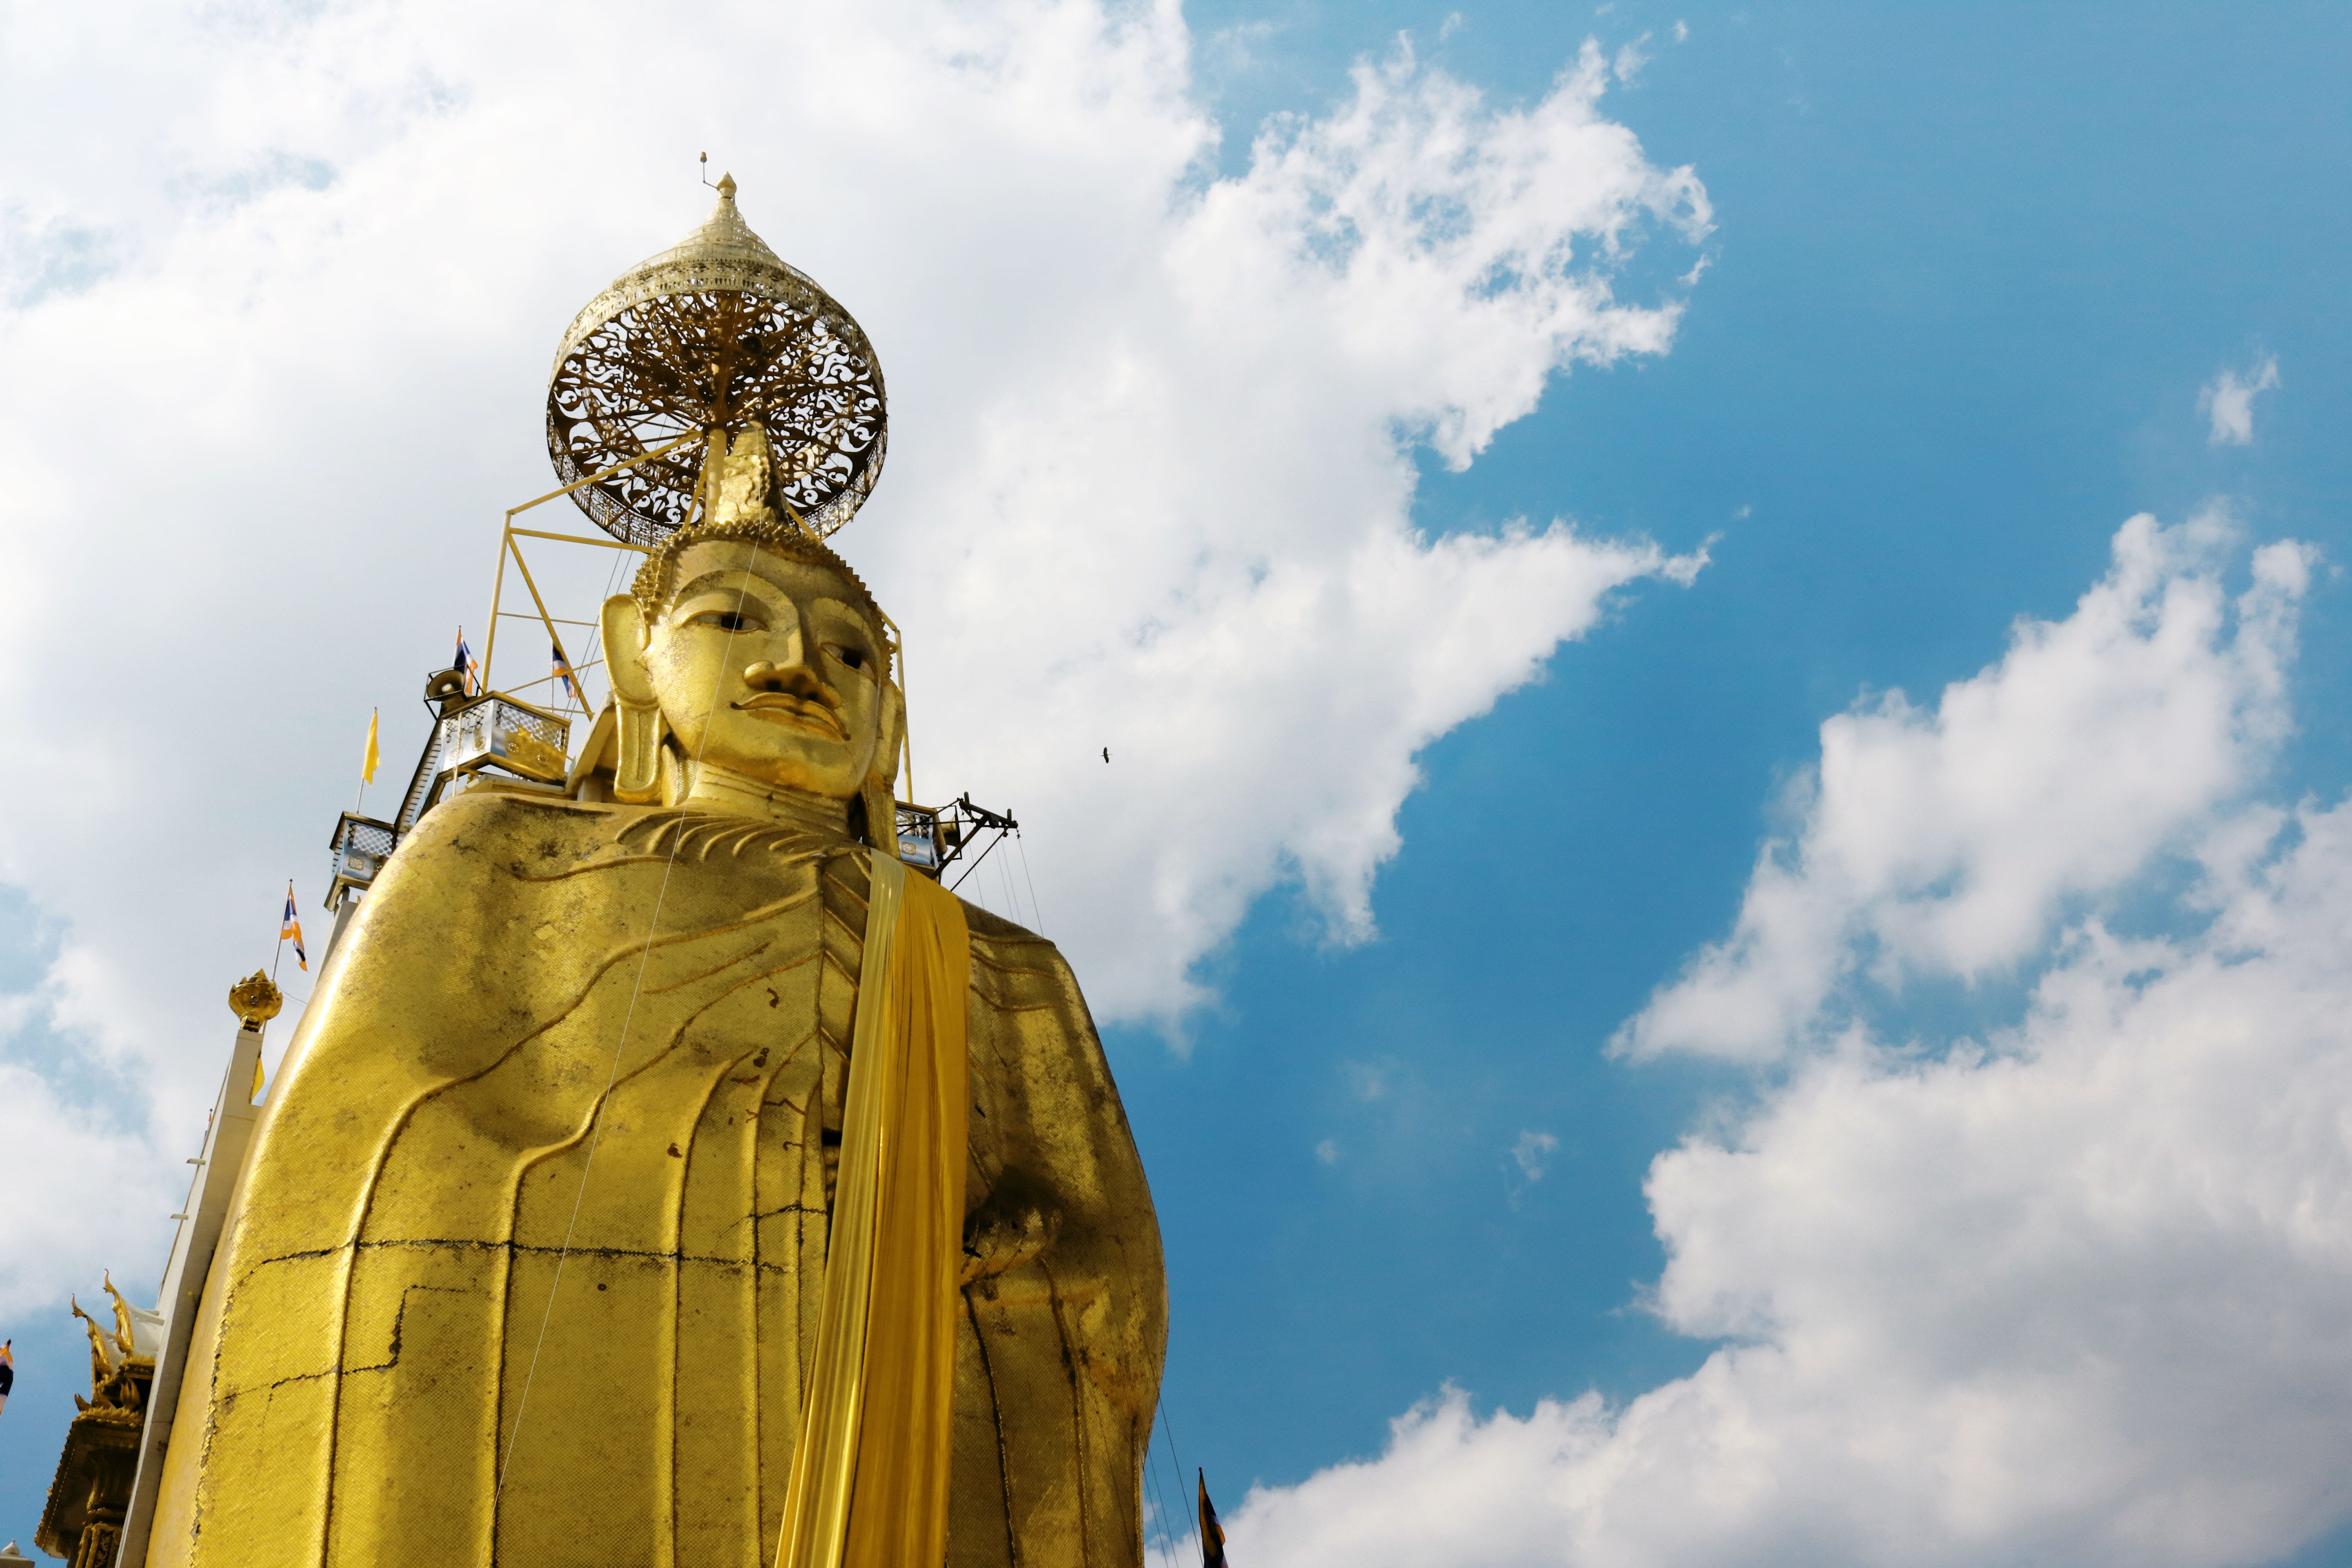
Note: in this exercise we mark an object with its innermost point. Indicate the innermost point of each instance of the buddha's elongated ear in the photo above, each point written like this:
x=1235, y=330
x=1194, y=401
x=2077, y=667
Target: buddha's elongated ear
x=893, y=727
x=625, y=634
x=881, y=813
x=880, y=793
x=639, y=717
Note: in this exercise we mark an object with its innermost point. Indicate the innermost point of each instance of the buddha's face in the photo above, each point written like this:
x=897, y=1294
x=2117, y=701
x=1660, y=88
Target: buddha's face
x=761, y=665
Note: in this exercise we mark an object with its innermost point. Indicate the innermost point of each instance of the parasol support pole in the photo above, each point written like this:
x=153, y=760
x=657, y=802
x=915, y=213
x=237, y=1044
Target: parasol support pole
x=508, y=532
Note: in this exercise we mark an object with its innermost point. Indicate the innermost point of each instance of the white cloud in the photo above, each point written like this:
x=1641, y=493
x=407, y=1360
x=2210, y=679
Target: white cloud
x=1150, y=481
x=1532, y=1153
x=1681, y=32
x=2228, y=401
x=1630, y=60
x=1942, y=843
x=87, y=1192
x=1234, y=48
x=1327, y=1152
x=2072, y=1293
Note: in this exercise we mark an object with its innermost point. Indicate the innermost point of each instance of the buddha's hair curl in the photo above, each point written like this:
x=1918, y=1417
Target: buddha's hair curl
x=657, y=580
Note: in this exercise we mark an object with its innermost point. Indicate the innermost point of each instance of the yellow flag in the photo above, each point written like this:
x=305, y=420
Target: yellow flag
x=367, y=768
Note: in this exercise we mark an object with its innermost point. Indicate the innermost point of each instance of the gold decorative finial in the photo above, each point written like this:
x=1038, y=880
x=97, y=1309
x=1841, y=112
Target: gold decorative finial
x=256, y=1000
x=726, y=187
x=102, y=1355
x=124, y=1339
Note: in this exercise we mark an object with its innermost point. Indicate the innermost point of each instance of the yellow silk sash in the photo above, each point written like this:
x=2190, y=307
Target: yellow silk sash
x=869, y=1482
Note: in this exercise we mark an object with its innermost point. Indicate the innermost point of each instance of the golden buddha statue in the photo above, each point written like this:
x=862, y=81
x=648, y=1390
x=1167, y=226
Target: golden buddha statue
x=561, y=1238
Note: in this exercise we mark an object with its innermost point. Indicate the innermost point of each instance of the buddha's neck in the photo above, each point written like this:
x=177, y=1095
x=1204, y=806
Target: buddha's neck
x=722, y=789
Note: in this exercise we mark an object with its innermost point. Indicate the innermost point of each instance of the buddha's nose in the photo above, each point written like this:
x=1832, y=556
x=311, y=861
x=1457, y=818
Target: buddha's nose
x=794, y=678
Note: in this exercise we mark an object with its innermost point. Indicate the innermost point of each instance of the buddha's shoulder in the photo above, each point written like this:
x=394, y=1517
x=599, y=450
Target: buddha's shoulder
x=993, y=930
x=495, y=824
x=536, y=837
x=1014, y=967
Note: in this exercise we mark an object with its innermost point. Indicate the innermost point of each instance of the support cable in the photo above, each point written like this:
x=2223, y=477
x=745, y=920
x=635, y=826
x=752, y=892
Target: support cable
x=1159, y=1506
x=1168, y=1431
x=1023, y=847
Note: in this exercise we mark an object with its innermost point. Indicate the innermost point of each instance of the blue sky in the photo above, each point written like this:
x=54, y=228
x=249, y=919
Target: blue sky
x=1969, y=274
x=1974, y=266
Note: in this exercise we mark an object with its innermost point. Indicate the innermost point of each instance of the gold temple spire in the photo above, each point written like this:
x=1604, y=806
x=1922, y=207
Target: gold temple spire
x=722, y=237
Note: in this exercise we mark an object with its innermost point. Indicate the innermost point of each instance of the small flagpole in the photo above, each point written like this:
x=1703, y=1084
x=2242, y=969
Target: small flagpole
x=374, y=715
x=279, y=956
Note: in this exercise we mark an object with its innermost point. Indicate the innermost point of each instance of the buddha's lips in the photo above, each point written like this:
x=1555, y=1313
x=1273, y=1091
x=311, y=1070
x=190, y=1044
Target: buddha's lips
x=785, y=705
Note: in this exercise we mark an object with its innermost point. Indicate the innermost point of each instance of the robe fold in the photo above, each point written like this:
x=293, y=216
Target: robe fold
x=463, y=1317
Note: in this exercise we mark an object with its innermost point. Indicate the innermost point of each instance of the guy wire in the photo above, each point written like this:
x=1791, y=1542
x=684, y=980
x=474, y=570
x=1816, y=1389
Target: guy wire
x=1034, y=914
x=1012, y=899
x=1160, y=1507
x=1187, y=1515
x=596, y=1129
x=1152, y=1484
x=612, y=578
x=1160, y=1502
x=1168, y=1431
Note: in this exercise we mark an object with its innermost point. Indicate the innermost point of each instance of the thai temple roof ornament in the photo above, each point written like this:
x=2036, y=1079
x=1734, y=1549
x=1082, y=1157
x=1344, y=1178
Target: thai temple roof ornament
x=775, y=349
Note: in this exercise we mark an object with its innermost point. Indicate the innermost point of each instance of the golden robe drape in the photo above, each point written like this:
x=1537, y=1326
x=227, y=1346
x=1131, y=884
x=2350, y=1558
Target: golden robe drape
x=869, y=1485
x=439, y=1331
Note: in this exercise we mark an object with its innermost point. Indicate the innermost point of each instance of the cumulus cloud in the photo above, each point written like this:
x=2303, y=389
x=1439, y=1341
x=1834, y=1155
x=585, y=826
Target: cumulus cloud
x=2227, y=402
x=88, y=1191
x=2069, y=1292
x=1942, y=843
x=284, y=288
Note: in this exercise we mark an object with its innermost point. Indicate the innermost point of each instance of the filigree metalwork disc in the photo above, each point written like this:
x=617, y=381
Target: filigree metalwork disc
x=714, y=334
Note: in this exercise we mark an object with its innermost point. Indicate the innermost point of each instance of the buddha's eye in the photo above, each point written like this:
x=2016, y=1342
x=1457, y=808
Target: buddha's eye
x=855, y=657
x=728, y=621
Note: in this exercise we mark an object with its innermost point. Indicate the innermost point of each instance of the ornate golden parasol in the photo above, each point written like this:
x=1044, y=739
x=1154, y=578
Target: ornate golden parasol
x=715, y=334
